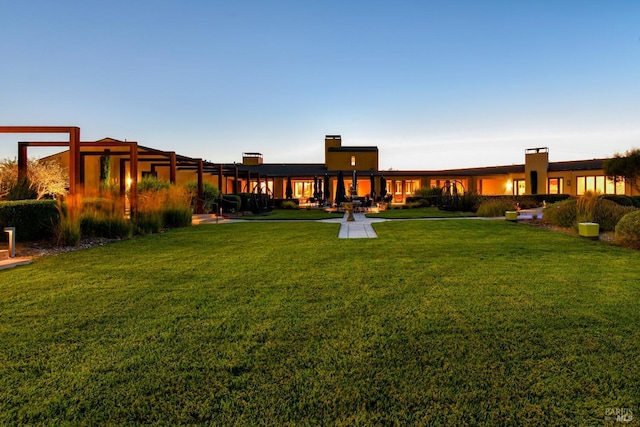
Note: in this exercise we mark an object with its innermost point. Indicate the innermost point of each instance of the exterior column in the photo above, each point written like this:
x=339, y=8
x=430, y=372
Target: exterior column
x=235, y=183
x=199, y=205
x=133, y=170
x=74, y=161
x=172, y=167
x=23, y=161
x=123, y=178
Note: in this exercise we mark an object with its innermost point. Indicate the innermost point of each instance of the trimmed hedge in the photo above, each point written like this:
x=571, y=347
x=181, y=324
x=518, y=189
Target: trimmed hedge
x=619, y=199
x=628, y=230
x=235, y=203
x=33, y=219
x=470, y=202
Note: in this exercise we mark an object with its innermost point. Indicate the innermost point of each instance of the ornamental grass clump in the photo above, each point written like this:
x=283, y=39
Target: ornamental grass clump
x=68, y=232
x=590, y=208
x=628, y=230
x=605, y=212
x=561, y=214
x=104, y=217
x=493, y=208
x=161, y=205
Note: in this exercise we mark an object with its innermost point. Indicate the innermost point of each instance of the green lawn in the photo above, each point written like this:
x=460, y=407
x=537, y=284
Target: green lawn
x=435, y=322
x=294, y=214
x=417, y=213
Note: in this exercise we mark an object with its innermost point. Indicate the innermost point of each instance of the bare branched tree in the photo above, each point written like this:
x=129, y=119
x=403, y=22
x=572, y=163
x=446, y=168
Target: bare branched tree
x=45, y=178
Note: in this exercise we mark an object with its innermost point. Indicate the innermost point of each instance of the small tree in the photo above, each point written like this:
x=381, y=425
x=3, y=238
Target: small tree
x=44, y=178
x=8, y=176
x=624, y=167
x=47, y=178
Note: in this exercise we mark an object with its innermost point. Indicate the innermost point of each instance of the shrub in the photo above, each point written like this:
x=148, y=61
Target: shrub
x=161, y=206
x=33, y=219
x=636, y=201
x=628, y=230
x=68, y=231
x=209, y=196
x=493, y=208
x=469, y=202
x=147, y=222
x=235, y=203
x=104, y=217
x=288, y=204
x=561, y=214
x=21, y=191
x=546, y=198
x=426, y=192
x=150, y=183
x=570, y=212
x=245, y=201
x=422, y=202
x=425, y=196
x=175, y=217
x=619, y=199
x=96, y=223
x=596, y=209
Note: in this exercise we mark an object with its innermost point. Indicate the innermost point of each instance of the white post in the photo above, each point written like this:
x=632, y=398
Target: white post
x=11, y=231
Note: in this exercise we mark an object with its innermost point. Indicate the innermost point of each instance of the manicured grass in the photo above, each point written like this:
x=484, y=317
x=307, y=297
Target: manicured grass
x=418, y=213
x=435, y=322
x=294, y=214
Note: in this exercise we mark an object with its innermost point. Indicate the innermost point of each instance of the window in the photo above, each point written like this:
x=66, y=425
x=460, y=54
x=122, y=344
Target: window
x=398, y=187
x=556, y=186
x=412, y=185
x=598, y=184
x=519, y=187
x=253, y=184
x=302, y=189
x=353, y=160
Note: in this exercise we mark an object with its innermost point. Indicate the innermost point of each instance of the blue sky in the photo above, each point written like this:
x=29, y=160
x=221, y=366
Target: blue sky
x=434, y=84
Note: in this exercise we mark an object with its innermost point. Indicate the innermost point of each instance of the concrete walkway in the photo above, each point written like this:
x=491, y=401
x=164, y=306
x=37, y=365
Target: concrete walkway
x=13, y=262
x=360, y=228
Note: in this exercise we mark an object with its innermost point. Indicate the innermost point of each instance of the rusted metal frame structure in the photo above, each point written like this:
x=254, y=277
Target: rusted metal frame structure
x=77, y=174
x=157, y=158
x=221, y=171
x=76, y=157
x=73, y=144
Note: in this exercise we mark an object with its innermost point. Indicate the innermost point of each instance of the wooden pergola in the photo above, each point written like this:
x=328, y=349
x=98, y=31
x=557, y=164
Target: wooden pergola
x=76, y=157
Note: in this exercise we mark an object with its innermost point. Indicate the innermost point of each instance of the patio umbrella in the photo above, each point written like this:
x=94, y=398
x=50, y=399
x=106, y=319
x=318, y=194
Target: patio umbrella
x=340, y=191
x=354, y=184
x=320, y=194
x=289, y=190
x=373, y=186
x=383, y=186
x=315, y=187
x=326, y=186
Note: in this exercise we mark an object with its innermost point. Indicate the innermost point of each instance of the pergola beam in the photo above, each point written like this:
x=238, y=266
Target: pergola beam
x=74, y=150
